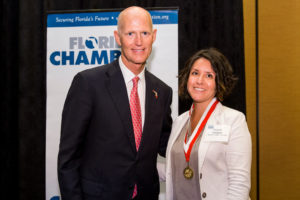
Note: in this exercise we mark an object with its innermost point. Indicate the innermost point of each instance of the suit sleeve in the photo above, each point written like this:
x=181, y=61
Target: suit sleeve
x=75, y=119
x=238, y=159
x=167, y=125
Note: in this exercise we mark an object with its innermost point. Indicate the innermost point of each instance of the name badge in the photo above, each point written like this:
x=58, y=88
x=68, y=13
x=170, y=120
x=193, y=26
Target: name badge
x=217, y=133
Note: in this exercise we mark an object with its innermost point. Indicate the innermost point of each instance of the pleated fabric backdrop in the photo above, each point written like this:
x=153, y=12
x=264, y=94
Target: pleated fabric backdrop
x=202, y=24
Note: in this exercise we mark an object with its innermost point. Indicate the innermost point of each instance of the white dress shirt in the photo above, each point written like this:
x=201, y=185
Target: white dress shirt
x=128, y=76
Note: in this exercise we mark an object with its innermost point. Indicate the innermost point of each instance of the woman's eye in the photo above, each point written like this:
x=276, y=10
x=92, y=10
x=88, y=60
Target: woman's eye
x=209, y=76
x=194, y=73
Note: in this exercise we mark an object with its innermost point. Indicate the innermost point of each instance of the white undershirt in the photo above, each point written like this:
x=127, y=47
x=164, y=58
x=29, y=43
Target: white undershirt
x=128, y=76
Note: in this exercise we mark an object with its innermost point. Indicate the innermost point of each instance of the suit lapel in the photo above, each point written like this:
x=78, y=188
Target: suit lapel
x=150, y=102
x=176, y=130
x=117, y=89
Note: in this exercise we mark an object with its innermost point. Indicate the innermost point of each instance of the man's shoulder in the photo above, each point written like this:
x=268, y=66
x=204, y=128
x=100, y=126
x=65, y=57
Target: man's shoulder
x=97, y=71
x=156, y=80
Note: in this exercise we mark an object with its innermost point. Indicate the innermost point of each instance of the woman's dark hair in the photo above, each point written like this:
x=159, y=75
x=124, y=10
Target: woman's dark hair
x=225, y=79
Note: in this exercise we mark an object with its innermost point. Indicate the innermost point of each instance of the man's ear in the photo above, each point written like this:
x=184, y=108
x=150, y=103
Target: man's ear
x=154, y=35
x=117, y=38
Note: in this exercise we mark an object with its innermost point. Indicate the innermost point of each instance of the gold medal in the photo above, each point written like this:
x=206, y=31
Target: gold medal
x=188, y=173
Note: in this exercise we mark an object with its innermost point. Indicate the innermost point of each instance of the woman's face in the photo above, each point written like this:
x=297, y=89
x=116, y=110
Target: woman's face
x=201, y=84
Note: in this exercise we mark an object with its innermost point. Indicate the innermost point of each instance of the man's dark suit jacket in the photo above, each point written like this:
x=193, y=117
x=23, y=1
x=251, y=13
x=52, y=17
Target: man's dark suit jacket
x=97, y=155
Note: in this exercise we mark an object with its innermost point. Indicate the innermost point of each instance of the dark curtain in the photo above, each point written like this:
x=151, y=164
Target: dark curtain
x=202, y=24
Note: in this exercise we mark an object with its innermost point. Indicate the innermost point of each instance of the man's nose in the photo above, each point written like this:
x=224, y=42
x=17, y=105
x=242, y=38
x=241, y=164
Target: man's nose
x=138, y=39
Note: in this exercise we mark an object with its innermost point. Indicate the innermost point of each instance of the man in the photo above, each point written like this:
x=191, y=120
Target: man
x=114, y=124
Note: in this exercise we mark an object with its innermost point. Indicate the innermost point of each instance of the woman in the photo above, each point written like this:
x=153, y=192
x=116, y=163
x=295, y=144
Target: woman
x=209, y=150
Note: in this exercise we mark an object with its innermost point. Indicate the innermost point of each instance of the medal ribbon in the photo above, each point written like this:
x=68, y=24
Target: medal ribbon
x=190, y=146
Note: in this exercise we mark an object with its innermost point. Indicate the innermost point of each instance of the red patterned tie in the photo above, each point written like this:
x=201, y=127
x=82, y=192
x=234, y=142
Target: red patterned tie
x=136, y=116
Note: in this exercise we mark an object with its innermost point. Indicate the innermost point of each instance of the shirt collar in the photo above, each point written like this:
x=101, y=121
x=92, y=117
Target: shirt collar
x=129, y=75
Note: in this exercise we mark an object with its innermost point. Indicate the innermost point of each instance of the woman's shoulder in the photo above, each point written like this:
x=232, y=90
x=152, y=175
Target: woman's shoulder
x=230, y=111
x=181, y=117
x=230, y=114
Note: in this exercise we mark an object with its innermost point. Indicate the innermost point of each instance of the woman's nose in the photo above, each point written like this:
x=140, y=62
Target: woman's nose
x=200, y=79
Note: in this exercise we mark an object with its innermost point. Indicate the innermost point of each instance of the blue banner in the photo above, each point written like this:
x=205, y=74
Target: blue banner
x=105, y=18
x=81, y=40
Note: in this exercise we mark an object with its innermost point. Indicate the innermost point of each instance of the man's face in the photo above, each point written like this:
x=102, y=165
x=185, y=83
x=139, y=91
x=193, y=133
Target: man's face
x=135, y=36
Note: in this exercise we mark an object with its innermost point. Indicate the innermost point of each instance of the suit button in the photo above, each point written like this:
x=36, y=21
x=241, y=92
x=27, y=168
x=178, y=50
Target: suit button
x=203, y=194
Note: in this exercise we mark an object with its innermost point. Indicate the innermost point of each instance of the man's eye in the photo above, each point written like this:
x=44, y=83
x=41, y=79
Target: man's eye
x=130, y=33
x=145, y=33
